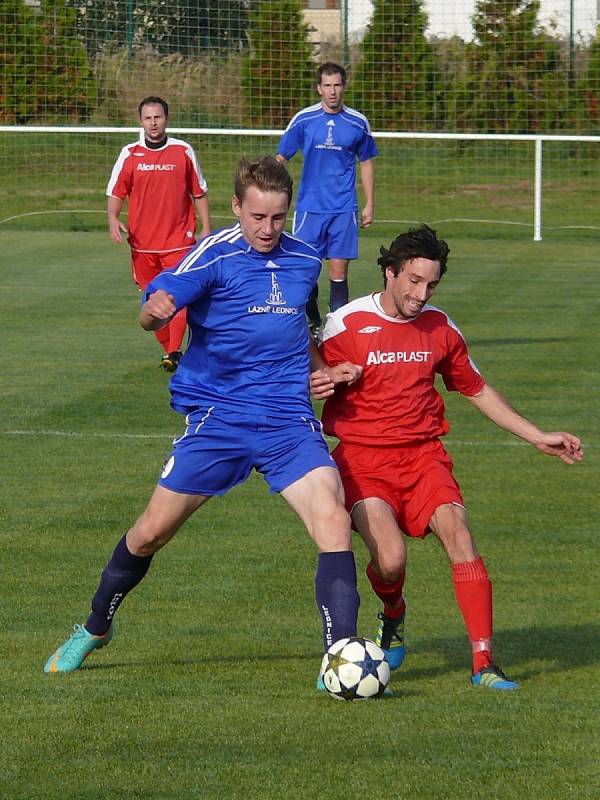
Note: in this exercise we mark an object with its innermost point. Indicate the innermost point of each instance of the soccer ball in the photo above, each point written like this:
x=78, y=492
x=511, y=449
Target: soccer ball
x=355, y=669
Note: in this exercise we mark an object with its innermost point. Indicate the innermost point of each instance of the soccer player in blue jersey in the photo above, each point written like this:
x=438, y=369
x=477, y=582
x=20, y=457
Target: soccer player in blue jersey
x=331, y=137
x=243, y=386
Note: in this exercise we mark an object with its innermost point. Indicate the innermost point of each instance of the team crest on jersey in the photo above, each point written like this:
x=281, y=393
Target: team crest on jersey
x=275, y=303
x=370, y=329
x=329, y=143
x=276, y=297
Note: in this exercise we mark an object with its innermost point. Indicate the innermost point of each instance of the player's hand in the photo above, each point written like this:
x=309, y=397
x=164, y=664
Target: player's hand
x=366, y=217
x=115, y=228
x=160, y=305
x=345, y=372
x=564, y=445
x=323, y=381
x=321, y=385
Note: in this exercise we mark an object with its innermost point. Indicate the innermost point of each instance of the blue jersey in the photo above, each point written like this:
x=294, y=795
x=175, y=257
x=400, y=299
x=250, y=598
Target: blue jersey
x=248, y=348
x=331, y=143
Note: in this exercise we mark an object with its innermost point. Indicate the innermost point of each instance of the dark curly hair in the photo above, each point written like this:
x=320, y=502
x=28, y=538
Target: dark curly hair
x=421, y=242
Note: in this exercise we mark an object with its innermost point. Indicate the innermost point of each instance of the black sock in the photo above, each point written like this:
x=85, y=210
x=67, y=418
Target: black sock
x=338, y=294
x=337, y=595
x=121, y=574
x=312, y=306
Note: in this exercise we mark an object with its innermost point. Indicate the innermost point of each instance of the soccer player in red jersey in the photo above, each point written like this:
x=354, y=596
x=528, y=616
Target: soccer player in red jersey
x=160, y=177
x=396, y=473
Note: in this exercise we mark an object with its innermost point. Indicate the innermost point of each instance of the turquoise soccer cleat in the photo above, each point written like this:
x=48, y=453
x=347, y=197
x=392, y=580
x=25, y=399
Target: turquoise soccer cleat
x=390, y=637
x=492, y=677
x=71, y=655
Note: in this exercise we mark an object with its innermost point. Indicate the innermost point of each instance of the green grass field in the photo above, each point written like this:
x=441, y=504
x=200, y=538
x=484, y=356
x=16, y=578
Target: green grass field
x=207, y=690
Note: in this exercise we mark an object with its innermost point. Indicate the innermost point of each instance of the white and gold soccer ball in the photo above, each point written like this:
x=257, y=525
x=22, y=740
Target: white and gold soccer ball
x=355, y=669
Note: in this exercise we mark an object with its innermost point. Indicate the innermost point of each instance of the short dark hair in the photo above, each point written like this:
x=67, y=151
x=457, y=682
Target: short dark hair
x=421, y=242
x=266, y=173
x=153, y=100
x=331, y=69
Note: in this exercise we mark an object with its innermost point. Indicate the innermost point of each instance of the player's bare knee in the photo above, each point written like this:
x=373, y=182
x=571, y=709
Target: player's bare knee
x=146, y=537
x=458, y=543
x=331, y=531
x=391, y=569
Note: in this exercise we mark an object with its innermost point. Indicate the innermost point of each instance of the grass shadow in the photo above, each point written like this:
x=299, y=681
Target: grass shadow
x=560, y=648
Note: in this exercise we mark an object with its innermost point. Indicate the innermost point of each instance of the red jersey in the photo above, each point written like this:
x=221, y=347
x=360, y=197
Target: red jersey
x=160, y=185
x=395, y=400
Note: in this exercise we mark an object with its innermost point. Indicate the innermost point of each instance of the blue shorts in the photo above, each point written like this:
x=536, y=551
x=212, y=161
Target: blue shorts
x=216, y=453
x=333, y=235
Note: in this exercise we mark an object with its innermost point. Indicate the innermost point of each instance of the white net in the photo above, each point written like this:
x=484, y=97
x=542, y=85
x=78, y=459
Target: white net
x=242, y=68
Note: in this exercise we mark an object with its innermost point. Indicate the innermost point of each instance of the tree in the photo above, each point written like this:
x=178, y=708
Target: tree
x=168, y=27
x=44, y=72
x=589, y=86
x=395, y=82
x=69, y=88
x=519, y=80
x=278, y=76
x=455, y=81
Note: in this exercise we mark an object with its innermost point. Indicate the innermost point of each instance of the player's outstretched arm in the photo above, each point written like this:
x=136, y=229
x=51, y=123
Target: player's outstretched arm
x=157, y=310
x=115, y=226
x=563, y=445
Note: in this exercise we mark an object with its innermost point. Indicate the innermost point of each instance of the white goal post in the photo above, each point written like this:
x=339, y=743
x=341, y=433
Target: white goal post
x=537, y=142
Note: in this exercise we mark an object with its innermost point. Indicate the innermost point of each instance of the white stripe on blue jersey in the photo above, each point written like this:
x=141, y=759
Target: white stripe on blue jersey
x=225, y=235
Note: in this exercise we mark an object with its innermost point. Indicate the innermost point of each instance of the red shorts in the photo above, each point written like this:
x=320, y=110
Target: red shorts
x=146, y=266
x=413, y=480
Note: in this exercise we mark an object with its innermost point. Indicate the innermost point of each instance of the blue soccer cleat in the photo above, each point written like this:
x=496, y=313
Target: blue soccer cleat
x=492, y=677
x=71, y=655
x=390, y=637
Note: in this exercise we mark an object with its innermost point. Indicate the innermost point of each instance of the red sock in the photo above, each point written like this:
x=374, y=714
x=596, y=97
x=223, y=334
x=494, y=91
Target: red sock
x=177, y=327
x=162, y=335
x=388, y=591
x=473, y=590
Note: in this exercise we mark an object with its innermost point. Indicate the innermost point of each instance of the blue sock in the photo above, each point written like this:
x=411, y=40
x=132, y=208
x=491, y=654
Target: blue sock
x=121, y=574
x=338, y=294
x=337, y=595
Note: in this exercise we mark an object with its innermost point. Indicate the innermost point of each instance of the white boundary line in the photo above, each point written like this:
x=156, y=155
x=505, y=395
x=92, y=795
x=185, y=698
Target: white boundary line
x=170, y=436
x=375, y=222
x=90, y=434
x=96, y=435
